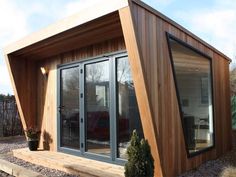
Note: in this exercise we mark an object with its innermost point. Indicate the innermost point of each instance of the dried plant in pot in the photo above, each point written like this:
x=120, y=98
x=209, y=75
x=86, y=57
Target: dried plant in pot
x=33, y=135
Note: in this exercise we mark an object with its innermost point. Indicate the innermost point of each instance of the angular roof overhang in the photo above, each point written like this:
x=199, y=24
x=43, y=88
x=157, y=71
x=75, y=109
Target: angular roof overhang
x=45, y=36
x=102, y=22
x=92, y=22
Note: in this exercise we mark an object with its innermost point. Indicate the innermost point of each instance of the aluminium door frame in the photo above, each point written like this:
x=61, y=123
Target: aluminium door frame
x=112, y=59
x=59, y=147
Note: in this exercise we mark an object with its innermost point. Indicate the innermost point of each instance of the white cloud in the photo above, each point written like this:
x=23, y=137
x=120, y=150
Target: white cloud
x=13, y=26
x=17, y=21
x=224, y=3
x=5, y=85
x=220, y=26
x=13, y=22
x=4, y=79
x=216, y=25
x=159, y=4
x=164, y=2
x=75, y=6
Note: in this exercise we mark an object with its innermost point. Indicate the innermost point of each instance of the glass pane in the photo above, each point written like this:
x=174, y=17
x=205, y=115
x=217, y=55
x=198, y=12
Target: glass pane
x=193, y=76
x=70, y=128
x=128, y=113
x=97, y=108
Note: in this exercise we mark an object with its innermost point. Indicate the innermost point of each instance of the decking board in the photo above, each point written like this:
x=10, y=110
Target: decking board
x=69, y=163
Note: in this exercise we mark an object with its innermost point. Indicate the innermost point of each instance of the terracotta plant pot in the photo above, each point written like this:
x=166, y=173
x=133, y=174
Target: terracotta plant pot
x=33, y=145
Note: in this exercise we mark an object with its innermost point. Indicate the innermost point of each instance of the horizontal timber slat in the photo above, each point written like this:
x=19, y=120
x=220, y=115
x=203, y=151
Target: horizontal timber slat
x=70, y=164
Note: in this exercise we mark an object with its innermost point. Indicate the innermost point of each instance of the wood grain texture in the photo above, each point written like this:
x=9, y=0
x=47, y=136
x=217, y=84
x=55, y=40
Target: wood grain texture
x=24, y=84
x=181, y=28
x=99, y=9
x=47, y=87
x=84, y=35
x=151, y=36
x=144, y=33
x=137, y=69
x=70, y=164
x=10, y=67
x=35, y=93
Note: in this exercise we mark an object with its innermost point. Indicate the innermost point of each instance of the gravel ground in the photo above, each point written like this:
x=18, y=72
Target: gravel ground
x=5, y=152
x=40, y=169
x=224, y=166
x=3, y=174
x=8, y=145
x=214, y=168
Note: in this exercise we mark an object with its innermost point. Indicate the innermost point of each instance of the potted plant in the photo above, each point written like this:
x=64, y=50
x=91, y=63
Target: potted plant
x=32, y=138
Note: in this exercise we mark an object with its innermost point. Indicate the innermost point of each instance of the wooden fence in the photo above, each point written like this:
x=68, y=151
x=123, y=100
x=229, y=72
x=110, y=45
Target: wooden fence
x=10, y=124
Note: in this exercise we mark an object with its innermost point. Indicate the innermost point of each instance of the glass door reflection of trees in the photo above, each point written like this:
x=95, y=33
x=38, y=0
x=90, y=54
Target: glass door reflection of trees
x=101, y=122
x=97, y=108
x=69, y=108
x=128, y=113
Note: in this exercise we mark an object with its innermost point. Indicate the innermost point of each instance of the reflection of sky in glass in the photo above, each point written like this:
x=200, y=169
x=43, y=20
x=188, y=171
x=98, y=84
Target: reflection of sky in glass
x=70, y=78
x=193, y=79
x=123, y=71
x=98, y=72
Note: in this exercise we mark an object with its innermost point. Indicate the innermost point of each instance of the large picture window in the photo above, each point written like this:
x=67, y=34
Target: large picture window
x=192, y=73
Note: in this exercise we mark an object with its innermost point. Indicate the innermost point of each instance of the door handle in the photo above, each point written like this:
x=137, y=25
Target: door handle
x=61, y=108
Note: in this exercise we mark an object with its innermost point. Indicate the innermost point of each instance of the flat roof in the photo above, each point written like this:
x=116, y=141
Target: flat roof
x=100, y=9
x=167, y=19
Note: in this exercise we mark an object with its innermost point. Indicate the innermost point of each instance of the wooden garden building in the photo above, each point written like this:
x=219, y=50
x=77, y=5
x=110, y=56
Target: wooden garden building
x=89, y=80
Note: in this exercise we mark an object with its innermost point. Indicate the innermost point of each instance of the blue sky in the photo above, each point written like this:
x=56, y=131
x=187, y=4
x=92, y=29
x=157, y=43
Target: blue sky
x=212, y=20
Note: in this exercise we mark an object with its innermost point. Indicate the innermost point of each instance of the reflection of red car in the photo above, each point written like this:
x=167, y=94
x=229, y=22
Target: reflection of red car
x=98, y=126
x=124, y=129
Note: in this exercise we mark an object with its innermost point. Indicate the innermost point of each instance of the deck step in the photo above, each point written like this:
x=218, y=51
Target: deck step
x=17, y=170
x=70, y=164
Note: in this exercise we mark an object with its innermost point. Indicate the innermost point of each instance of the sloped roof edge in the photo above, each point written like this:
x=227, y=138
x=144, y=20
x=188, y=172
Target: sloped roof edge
x=100, y=9
x=167, y=19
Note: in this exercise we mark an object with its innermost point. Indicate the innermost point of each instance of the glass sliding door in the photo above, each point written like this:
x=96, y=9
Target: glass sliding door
x=127, y=109
x=97, y=108
x=97, y=101
x=69, y=107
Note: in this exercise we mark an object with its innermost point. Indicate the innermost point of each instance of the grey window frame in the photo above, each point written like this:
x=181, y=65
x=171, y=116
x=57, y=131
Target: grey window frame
x=112, y=58
x=172, y=37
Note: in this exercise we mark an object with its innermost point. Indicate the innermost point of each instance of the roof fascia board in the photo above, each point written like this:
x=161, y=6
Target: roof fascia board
x=168, y=20
x=99, y=9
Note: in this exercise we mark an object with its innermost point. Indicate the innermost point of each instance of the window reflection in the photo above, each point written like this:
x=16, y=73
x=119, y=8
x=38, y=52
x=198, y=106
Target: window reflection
x=128, y=113
x=193, y=78
x=70, y=108
x=95, y=113
x=97, y=108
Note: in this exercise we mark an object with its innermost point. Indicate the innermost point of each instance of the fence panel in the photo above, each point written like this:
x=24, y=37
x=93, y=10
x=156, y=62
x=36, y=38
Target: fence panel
x=10, y=124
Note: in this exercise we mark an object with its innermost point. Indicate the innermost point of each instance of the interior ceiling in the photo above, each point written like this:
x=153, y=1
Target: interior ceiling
x=96, y=31
x=184, y=50
x=188, y=61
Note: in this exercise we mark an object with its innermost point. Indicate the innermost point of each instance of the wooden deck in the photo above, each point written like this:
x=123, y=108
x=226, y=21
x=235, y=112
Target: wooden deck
x=70, y=164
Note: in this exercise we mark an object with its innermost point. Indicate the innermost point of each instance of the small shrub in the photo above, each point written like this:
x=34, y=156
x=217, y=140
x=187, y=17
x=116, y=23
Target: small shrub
x=140, y=161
